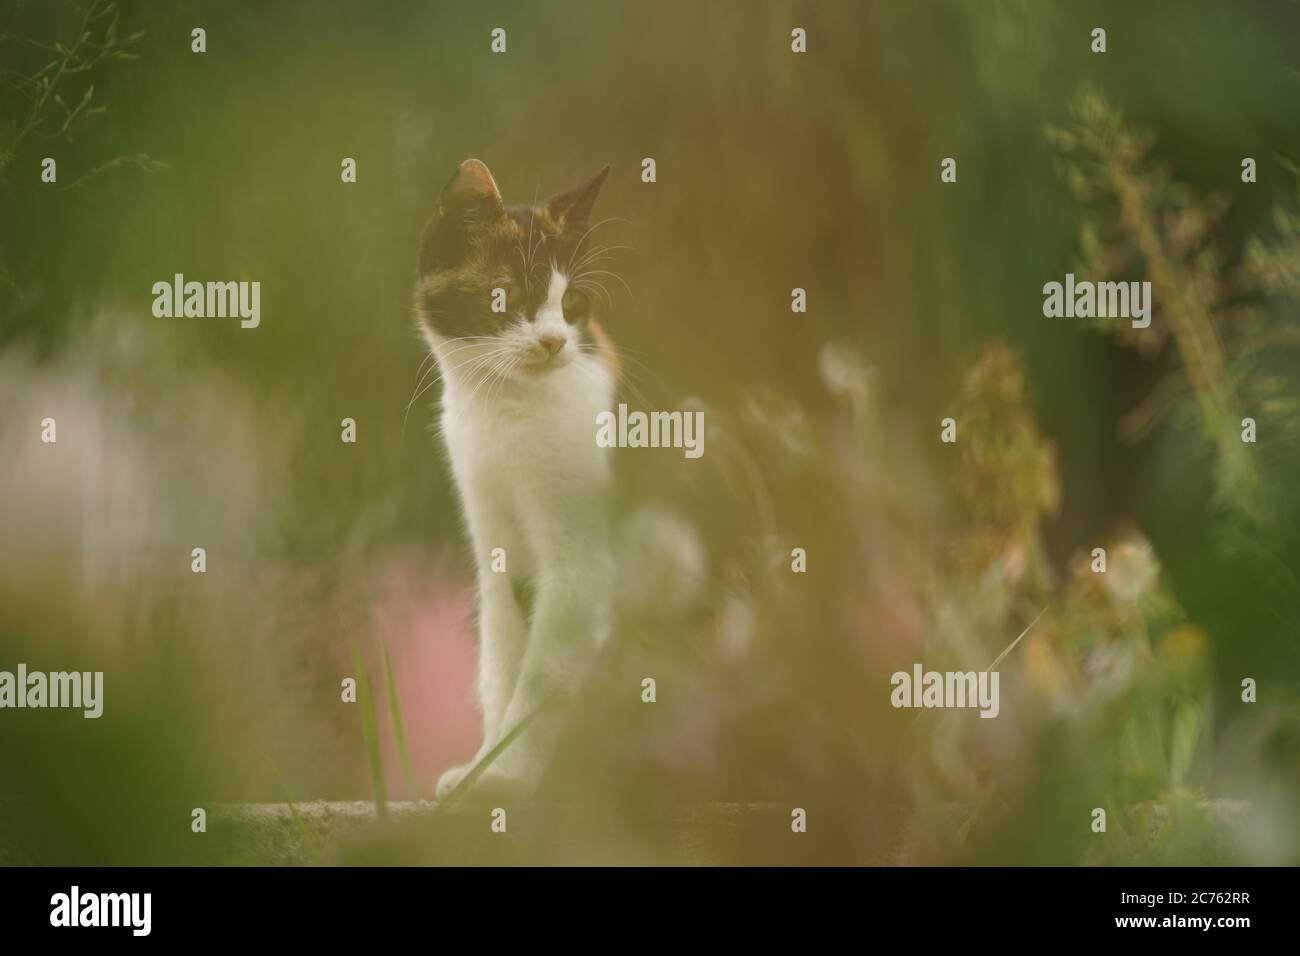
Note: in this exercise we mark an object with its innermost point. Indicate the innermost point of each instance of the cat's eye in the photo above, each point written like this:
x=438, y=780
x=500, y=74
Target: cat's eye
x=576, y=304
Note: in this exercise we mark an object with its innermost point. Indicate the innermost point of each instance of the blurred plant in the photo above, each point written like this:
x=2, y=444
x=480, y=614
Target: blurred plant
x=369, y=731
x=1007, y=477
x=395, y=715
x=48, y=115
x=305, y=837
x=1114, y=681
x=1138, y=221
x=42, y=110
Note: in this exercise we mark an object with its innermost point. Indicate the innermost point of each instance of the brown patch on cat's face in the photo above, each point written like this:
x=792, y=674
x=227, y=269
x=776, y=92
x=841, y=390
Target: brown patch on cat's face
x=474, y=245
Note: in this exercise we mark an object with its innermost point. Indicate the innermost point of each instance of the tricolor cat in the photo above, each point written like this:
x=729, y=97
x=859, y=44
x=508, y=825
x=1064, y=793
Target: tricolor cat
x=505, y=299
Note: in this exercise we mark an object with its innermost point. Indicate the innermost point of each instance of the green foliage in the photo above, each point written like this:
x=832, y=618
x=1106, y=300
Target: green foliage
x=1139, y=222
x=369, y=732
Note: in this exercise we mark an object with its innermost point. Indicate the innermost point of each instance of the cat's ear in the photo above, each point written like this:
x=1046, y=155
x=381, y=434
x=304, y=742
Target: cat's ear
x=471, y=192
x=572, y=208
x=469, y=200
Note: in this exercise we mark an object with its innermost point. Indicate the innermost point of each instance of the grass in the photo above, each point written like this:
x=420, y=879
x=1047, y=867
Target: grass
x=305, y=837
x=369, y=730
x=395, y=713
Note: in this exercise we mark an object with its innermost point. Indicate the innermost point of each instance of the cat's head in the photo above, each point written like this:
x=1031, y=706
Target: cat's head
x=508, y=277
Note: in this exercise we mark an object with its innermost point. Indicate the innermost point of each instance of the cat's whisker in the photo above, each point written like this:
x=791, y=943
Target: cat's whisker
x=590, y=230
x=594, y=260
x=631, y=358
x=421, y=375
x=523, y=263
x=494, y=374
x=535, y=265
x=532, y=215
x=461, y=348
x=480, y=374
x=612, y=275
x=442, y=377
x=593, y=251
x=579, y=280
x=428, y=357
x=626, y=382
x=504, y=376
x=491, y=373
x=591, y=285
x=630, y=385
x=576, y=263
x=495, y=379
x=624, y=350
x=634, y=368
x=471, y=340
x=472, y=360
x=592, y=273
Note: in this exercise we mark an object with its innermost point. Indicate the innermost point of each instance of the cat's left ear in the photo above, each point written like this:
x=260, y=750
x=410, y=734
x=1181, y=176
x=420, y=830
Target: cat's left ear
x=571, y=209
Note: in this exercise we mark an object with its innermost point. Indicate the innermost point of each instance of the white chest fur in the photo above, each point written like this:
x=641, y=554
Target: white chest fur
x=525, y=458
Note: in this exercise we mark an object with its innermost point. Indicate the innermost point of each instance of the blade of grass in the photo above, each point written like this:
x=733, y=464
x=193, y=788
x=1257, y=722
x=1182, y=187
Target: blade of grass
x=395, y=712
x=1012, y=646
x=470, y=778
x=368, y=733
x=305, y=837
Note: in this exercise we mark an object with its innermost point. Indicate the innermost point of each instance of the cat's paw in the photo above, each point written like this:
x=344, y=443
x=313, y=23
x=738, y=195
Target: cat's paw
x=496, y=785
x=450, y=778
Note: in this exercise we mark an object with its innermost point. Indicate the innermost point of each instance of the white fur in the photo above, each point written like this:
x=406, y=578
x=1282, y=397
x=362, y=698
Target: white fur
x=519, y=426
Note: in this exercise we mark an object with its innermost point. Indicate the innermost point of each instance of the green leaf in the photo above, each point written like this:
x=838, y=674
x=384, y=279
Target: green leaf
x=395, y=712
x=1187, y=730
x=369, y=734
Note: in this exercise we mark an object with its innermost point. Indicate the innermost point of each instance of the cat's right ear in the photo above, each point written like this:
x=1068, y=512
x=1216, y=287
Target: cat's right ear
x=468, y=201
x=471, y=192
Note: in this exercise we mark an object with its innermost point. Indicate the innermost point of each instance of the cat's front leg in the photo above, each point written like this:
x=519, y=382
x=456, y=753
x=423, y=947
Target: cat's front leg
x=570, y=622
x=503, y=636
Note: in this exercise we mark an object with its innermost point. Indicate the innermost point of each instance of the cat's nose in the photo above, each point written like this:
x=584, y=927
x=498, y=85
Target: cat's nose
x=552, y=342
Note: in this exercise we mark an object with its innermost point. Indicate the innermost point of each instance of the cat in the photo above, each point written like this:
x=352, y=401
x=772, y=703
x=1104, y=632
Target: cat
x=505, y=299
